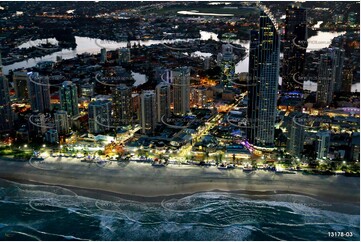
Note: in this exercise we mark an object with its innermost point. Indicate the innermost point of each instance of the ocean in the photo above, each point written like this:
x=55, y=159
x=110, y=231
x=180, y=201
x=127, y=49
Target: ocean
x=40, y=212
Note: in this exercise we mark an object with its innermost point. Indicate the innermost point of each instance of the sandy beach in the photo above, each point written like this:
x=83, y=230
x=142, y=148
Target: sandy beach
x=143, y=180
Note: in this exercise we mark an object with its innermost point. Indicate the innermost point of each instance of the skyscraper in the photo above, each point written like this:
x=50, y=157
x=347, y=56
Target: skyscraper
x=38, y=124
x=103, y=55
x=295, y=45
x=20, y=79
x=339, y=55
x=162, y=92
x=6, y=114
x=99, y=116
x=61, y=122
x=148, y=116
x=263, y=83
x=181, y=90
x=329, y=66
x=69, y=98
x=199, y=96
x=347, y=77
x=39, y=92
x=51, y=136
x=122, y=105
x=296, y=138
x=323, y=143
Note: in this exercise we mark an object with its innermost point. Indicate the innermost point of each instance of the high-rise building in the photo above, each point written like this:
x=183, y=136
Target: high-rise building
x=219, y=59
x=162, y=92
x=227, y=65
x=87, y=90
x=38, y=124
x=39, y=92
x=69, y=98
x=136, y=107
x=99, y=112
x=295, y=45
x=6, y=114
x=347, y=76
x=51, y=136
x=162, y=74
x=263, y=83
x=339, y=55
x=61, y=122
x=296, y=138
x=323, y=143
x=207, y=63
x=103, y=55
x=199, y=97
x=123, y=55
x=227, y=52
x=148, y=115
x=20, y=79
x=326, y=77
x=181, y=90
x=122, y=105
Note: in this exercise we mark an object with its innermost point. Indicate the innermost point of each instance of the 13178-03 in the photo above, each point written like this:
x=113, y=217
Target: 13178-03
x=339, y=234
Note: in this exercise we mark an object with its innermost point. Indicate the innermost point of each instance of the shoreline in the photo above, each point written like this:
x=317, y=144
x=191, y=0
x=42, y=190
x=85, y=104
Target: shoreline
x=104, y=195
x=144, y=183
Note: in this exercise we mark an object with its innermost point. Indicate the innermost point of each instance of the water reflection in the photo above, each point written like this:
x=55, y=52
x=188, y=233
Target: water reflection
x=93, y=46
x=139, y=78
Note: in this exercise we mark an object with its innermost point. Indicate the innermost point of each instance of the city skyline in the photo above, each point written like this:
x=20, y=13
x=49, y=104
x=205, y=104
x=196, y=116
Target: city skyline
x=180, y=120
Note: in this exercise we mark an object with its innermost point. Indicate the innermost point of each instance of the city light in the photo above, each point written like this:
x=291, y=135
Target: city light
x=204, y=115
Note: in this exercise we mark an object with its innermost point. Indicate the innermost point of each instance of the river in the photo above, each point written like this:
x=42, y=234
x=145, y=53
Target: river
x=93, y=46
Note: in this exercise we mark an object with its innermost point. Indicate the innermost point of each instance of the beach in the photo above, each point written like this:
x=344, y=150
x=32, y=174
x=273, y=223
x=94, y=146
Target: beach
x=144, y=180
x=65, y=199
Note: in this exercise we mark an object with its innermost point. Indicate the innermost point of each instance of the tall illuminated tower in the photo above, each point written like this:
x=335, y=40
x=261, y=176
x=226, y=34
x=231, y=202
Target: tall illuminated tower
x=295, y=45
x=99, y=112
x=263, y=83
x=69, y=98
x=329, y=78
x=181, y=90
x=122, y=105
x=148, y=115
x=162, y=92
x=39, y=92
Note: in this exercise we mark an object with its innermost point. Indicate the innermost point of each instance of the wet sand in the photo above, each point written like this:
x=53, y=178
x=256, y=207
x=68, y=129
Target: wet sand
x=142, y=182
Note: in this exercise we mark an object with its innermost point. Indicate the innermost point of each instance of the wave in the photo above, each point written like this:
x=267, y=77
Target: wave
x=200, y=216
x=11, y=232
